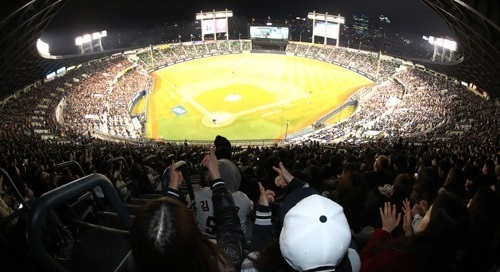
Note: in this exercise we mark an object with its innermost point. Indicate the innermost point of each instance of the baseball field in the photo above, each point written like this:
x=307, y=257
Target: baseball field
x=245, y=96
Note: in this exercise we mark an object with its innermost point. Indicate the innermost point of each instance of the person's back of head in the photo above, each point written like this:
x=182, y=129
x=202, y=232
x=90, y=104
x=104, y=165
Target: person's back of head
x=426, y=185
x=484, y=209
x=442, y=238
x=489, y=169
x=230, y=174
x=401, y=188
x=382, y=164
x=444, y=167
x=482, y=244
x=164, y=235
x=455, y=182
x=399, y=163
x=222, y=147
x=412, y=163
x=351, y=183
x=351, y=193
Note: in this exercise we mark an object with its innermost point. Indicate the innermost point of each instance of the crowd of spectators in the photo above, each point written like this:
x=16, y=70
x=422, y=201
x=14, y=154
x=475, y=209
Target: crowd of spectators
x=340, y=171
x=419, y=105
x=364, y=62
x=174, y=53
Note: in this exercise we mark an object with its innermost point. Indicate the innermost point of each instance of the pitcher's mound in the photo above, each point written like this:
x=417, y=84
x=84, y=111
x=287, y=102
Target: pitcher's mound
x=218, y=119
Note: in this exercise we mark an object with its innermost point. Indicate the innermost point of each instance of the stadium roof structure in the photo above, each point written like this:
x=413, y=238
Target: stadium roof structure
x=474, y=22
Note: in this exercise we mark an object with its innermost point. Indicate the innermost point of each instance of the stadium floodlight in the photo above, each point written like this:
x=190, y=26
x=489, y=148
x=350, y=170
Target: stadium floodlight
x=78, y=41
x=87, y=38
x=328, y=26
x=91, y=42
x=43, y=47
x=214, y=22
x=325, y=17
x=444, y=49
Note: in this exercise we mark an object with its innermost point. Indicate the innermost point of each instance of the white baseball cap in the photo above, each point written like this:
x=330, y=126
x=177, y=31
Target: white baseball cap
x=315, y=232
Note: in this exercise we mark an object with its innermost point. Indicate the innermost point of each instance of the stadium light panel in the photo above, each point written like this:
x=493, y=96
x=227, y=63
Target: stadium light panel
x=104, y=33
x=224, y=14
x=87, y=38
x=326, y=17
x=200, y=16
x=210, y=15
x=96, y=36
x=450, y=45
x=78, y=41
x=441, y=42
x=42, y=47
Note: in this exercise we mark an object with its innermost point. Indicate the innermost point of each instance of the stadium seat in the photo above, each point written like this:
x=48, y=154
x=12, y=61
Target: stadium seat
x=91, y=247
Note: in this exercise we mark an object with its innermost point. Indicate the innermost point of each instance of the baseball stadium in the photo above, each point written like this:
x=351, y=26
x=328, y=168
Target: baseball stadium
x=231, y=142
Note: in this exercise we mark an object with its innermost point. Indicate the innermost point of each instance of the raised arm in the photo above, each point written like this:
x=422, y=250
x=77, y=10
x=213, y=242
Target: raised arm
x=229, y=235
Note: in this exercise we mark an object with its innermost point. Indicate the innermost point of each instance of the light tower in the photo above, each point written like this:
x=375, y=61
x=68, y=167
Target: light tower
x=90, y=43
x=444, y=49
x=214, y=22
x=328, y=26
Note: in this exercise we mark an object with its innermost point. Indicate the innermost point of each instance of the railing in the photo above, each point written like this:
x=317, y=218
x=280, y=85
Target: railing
x=59, y=196
x=26, y=207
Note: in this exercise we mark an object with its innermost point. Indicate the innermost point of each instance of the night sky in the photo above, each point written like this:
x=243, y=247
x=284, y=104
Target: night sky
x=86, y=16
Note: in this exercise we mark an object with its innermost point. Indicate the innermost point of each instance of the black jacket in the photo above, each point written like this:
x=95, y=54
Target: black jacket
x=229, y=235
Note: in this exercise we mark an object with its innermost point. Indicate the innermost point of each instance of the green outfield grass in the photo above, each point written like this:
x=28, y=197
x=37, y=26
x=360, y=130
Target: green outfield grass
x=250, y=96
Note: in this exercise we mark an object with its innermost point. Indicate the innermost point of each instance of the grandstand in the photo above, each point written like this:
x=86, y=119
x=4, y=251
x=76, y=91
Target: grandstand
x=81, y=153
x=96, y=97
x=475, y=23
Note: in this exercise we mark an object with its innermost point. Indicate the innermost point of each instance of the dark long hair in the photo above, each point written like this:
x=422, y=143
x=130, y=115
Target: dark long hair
x=425, y=186
x=455, y=182
x=351, y=193
x=270, y=258
x=165, y=236
x=482, y=243
x=437, y=246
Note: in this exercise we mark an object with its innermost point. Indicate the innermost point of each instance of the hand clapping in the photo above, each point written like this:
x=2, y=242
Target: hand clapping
x=390, y=220
x=407, y=218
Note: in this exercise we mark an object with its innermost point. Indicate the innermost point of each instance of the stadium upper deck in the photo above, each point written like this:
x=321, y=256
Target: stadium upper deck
x=475, y=23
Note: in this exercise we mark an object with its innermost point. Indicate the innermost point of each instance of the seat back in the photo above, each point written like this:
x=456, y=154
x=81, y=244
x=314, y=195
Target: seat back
x=58, y=197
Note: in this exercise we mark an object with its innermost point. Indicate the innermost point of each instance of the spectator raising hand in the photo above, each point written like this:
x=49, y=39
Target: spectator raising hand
x=390, y=218
x=176, y=177
x=211, y=163
x=266, y=196
x=407, y=218
x=284, y=177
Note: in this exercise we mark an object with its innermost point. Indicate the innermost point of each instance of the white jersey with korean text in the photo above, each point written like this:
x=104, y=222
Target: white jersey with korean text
x=205, y=210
